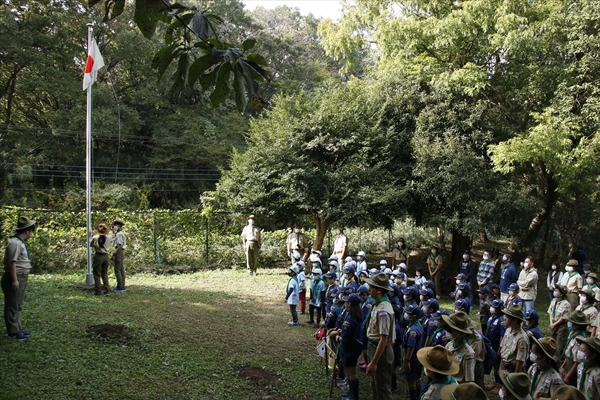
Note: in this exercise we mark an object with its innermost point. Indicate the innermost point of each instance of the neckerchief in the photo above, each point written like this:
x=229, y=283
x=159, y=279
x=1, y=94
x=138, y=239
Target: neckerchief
x=584, y=373
x=462, y=342
x=288, y=284
x=572, y=336
x=313, y=288
x=555, y=304
x=25, y=244
x=432, y=337
x=375, y=302
x=535, y=377
x=494, y=317
x=448, y=380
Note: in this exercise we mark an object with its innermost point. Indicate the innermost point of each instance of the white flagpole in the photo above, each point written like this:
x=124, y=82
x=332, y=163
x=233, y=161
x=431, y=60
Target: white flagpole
x=89, y=278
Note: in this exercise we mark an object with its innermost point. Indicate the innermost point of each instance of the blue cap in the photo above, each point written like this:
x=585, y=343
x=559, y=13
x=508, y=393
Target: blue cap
x=439, y=313
x=514, y=286
x=413, y=309
x=462, y=286
x=353, y=298
x=463, y=304
x=334, y=263
x=330, y=274
x=497, y=303
x=348, y=269
x=411, y=291
x=363, y=289
x=461, y=276
x=532, y=314
x=426, y=292
x=433, y=304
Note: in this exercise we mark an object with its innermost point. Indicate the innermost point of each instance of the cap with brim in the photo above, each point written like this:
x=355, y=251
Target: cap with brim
x=593, y=342
x=484, y=289
x=438, y=359
x=578, y=317
x=103, y=228
x=464, y=391
x=458, y=321
x=573, y=263
x=590, y=293
x=517, y=383
x=24, y=223
x=547, y=344
x=251, y=216
x=380, y=280
x=515, y=311
x=561, y=289
x=566, y=393
x=118, y=221
x=593, y=275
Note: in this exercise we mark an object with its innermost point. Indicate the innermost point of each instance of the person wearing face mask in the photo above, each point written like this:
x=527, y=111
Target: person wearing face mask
x=411, y=341
x=513, y=296
x=252, y=241
x=302, y=283
x=457, y=327
x=400, y=252
x=514, y=346
x=434, y=264
x=591, y=284
x=484, y=354
x=467, y=267
x=528, y=280
x=351, y=336
x=586, y=305
x=516, y=386
x=554, y=278
x=532, y=329
x=429, y=308
x=495, y=332
x=545, y=379
x=485, y=273
x=572, y=281
x=291, y=296
x=296, y=243
x=588, y=371
x=340, y=245
x=440, y=364
x=484, y=307
x=419, y=278
x=366, y=304
x=361, y=262
x=425, y=294
x=463, y=286
x=508, y=276
x=558, y=311
x=462, y=305
x=399, y=279
x=439, y=335
x=332, y=290
x=577, y=323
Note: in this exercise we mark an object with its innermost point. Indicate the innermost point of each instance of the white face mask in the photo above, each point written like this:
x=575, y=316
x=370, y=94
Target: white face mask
x=421, y=297
x=460, y=292
x=465, y=257
x=511, y=292
x=398, y=281
x=433, y=251
x=296, y=230
x=582, y=357
x=493, y=310
x=485, y=258
x=569, y=269
x=526, y=265
x=425, y=310
x=583, y=300
x=590, y=281
x=438, y=323
x=405, y=297
x=557, y=293
x=406, y=317
x=534, y=358
x=250, y=222
x=458, y=281
x=554, y=267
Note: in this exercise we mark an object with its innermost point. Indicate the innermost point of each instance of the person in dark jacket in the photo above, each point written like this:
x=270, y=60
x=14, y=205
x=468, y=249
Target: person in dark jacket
x=468, y=267
x=508, y=276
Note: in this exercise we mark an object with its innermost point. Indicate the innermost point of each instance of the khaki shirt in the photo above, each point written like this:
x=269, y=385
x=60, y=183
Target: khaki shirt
x=559, y=308
x=528, y=278
x=17, y=252
x=433, y=263
x=476, y=343
x=120, y=239
x=545, y=383
x=399, y=255
x=573, y=282
x=341, y=242
x=434, y=392
x=514, y=346
x=594, y=289
x=597, y=325
x=591, y=385
x=251, y=233
x=572, y=345
x=104, y=249
x=296, y=241
x=381, y=322
x=465, y=356
x=591, y=313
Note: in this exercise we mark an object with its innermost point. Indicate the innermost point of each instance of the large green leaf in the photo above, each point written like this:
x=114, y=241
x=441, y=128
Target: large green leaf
x=263, y=72
x=257, y=58
x=163, y=58
x=114, y=8
x=180, y=75
x=222, y=88
x=200, y=26
x=248, y=44
x=199, y=66
x=146, y=16
x=207, y=80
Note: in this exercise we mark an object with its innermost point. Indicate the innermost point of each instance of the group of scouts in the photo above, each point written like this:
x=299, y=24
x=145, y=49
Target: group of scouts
x=396, y=326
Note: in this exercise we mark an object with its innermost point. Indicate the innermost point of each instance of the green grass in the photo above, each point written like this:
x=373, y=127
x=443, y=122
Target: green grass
x=189, y=336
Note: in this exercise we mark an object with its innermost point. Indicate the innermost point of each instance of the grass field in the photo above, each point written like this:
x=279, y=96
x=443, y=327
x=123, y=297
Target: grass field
x=208, y=335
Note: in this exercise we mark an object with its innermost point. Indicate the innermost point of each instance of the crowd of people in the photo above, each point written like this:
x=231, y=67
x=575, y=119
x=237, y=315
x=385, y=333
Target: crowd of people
x=391, y=326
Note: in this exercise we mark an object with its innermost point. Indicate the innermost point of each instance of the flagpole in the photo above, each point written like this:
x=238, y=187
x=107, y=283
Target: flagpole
x=89, y=277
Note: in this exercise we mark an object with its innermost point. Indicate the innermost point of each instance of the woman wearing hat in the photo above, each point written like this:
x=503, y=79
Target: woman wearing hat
x=457, y=327
x=101, y=245
x=572, y=281
x=514, y=347
x=588, y=371
x=577, y=324
x=543, y=372
x=591, y=280
x=559, y=310
x=516, y=386
x=586, y=305
x=440, y=364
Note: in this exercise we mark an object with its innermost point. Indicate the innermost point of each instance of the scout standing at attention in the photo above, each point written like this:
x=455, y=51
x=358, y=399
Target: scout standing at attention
x=588, y=372
x=292, y=294
x=457, y=328
x=440, y=365
x=381, y=333
x=252, y=241
x=119, y=255
x=559, y=310
x=101, y=244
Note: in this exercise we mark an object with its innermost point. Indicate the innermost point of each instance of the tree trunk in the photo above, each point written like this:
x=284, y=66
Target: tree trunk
x=441, y=238
x=542, y=251
x=460, y=244
x=482, y=232
x=322, y=226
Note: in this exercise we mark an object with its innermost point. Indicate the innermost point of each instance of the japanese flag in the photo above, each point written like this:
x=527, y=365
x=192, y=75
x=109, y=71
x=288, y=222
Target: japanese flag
x=93, y=64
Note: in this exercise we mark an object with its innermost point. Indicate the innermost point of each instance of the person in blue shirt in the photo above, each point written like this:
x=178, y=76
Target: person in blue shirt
x=411, y=341
x=349, y=277
x=361, y=263
x=333, y=267
x=367, y=303
x=462, y=292
x=425, y=294
x=351, y=339
x=508, y=276
x=292, y=296
x=429, y=308
x=317, y=295
x=430, y=285
x=467, y=267
x=532, y=329
x=439, y=335
x=419, y=278
x=513, y=296
x=495, y=332
x=399, y=278
x=462, y=305
x=332, y=290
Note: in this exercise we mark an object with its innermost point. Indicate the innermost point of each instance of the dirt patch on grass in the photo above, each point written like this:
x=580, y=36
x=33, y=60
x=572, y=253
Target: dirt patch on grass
x=256, y=375
x=108, y=331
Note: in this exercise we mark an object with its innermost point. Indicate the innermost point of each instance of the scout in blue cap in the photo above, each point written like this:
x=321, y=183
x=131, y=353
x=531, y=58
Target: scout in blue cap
x=411, y=342
x=495, y=331
x=367, y=303
x=439, y=334
x=349, y=277
x=484, y=306
x=513, y=296
x=425, y=294
x=331, y=291
x=462, y=305
x=429, y=307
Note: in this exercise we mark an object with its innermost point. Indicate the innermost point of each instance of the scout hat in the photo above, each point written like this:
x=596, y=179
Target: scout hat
x=593, y=275
x=438, y=359
x=464, y=391
x=380, y=280
x=573, y=263
x=590, y=295
x=102, y=228
x=578, y=317
x=515, y=311
x=561, y=289
x=566, y=393
x=547, y=344
x=251, y=216
x=517, y=383
x=593, y=342
x=458, y=321
x=118, y=221
x=24, y=223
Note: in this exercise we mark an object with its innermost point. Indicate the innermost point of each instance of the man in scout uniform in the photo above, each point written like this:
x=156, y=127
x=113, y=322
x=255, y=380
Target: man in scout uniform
x=400, y=253
x=457, y=327
x=296, y=243
x=516, y=386
x=381, y=334
x=411, y=342
x=572, y=281
x=464, y=391
x=586, y=305
x=252, y=241
x=545, y=379
x=588, y=371
x=559, y=310
x=514, y=347
x=577, y=324
x=17, y=265
x=340, y=245
x=495, y=332
x=440, y=365
x=434, y=264
x=119, y=255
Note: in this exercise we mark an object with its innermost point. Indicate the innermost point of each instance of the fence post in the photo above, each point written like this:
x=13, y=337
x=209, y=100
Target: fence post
x=156, y=246
x=206, y=240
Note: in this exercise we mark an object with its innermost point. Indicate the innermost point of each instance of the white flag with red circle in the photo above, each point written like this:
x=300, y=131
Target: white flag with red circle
x=93, y=64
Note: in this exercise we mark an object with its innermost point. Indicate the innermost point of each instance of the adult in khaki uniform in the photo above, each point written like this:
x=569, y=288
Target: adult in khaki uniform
x=478, y=345
x=457, y=327
x=516, y=386
x=464, y=391
x=514, y=346
x=119, y=255
x=252, y=241
x=434, y=264
x=340, y=246
x=586, y=305
x=588, y=372
x=17, y=265
x=381, y=335
x=296, y=243
x=578, y=324
x=101, y=244
x=572, y=281
x=440, y=365
x=559, y=309
x=400, y=253
x=545, y=379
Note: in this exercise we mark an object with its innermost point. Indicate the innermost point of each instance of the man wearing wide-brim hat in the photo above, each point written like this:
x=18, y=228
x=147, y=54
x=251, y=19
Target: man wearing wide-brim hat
x=17, y=265
x=381, y=334
x=514, y=347
x=440, y=365
x=578, y=329
x=572, y=281
x=119, y=255
x=588, y=371
x=464, y=391
x=516, y=386
x=457, y=327
x=543, y=371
